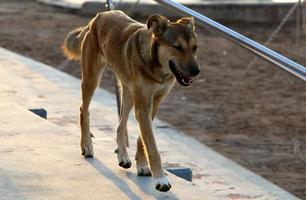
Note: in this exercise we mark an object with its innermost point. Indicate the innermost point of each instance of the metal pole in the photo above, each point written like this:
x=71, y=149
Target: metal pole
x=256, y=48
x=298, y=26
x=110, y=6
x=304, y=16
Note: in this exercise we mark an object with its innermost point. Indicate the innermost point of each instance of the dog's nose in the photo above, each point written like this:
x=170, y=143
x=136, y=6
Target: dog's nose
x=194, y=71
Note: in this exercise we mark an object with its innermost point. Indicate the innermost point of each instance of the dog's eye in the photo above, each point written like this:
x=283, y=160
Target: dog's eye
x=179, y=48
x=194, y=48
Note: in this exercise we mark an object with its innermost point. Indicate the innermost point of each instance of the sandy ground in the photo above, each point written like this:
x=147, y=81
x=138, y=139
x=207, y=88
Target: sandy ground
x=261, y=126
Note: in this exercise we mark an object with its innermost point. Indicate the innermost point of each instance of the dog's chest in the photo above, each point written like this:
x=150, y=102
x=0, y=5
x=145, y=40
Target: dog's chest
x=166, y=86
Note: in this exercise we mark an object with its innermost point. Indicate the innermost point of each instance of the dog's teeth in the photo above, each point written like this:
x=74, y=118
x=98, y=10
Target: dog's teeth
x=187, y=82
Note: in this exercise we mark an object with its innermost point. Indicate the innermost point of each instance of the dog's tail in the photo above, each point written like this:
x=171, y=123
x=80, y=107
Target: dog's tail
x=73, y=42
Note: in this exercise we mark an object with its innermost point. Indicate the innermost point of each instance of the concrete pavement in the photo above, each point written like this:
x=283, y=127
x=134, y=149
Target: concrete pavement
x=40, y=159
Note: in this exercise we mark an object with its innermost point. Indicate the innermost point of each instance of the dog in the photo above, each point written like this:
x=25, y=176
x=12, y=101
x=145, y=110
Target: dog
x=146, y=59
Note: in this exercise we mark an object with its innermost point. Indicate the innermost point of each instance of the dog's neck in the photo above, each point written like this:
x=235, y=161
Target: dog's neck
x=147, y=49
x=148, y=55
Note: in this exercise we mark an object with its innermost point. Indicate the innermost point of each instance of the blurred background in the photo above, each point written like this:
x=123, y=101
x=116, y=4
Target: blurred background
x=246, y=109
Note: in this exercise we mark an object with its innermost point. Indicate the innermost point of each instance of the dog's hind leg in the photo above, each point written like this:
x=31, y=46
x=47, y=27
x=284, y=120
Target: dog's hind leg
x=91, y=75
x=141, y=160
x=122, y=134
x=88, y=88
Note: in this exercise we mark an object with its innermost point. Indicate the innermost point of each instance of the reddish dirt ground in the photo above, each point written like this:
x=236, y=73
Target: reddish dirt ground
x=261, y=126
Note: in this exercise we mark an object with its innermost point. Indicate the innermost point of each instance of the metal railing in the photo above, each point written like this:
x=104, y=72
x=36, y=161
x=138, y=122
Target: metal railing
x=110, y=6
x=256, y=48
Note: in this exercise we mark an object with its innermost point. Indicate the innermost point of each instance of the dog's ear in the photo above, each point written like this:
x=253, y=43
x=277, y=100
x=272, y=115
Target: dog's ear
x=188, y=21
x=158, y=24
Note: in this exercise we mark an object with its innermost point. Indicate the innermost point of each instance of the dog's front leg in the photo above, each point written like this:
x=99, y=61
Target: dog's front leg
x=143, y=112
x=141, y=160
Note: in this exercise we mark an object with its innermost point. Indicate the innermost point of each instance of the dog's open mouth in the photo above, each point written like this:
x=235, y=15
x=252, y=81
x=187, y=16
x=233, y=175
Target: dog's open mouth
x=184, y=81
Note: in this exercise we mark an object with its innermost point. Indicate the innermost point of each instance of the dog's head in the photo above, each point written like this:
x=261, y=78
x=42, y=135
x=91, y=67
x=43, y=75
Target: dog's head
x=177, y=46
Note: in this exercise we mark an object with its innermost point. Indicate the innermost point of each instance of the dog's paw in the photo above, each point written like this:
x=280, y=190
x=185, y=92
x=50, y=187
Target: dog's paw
x=143, y=171
x=162, y=184
x=87, y=150
x=123, y=159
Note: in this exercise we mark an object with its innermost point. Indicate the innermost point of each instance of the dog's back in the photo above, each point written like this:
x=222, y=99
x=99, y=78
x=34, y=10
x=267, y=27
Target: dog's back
x=112, y=29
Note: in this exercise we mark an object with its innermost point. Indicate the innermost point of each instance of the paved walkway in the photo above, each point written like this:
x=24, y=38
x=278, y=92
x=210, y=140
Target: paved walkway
x=40, y=159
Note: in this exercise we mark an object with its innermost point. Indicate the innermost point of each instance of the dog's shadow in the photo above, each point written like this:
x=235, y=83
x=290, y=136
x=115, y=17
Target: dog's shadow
x=144, y=183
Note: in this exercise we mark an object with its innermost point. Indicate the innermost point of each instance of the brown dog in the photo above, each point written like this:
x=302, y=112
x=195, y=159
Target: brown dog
x=146, y=59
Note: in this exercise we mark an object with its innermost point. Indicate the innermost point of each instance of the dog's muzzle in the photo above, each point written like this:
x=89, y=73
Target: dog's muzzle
x=181, y=79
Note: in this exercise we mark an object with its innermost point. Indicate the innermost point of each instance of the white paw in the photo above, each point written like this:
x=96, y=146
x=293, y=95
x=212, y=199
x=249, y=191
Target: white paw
x=87, y=150
x=162, y=184
x=143, y=170
x=123, y=159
